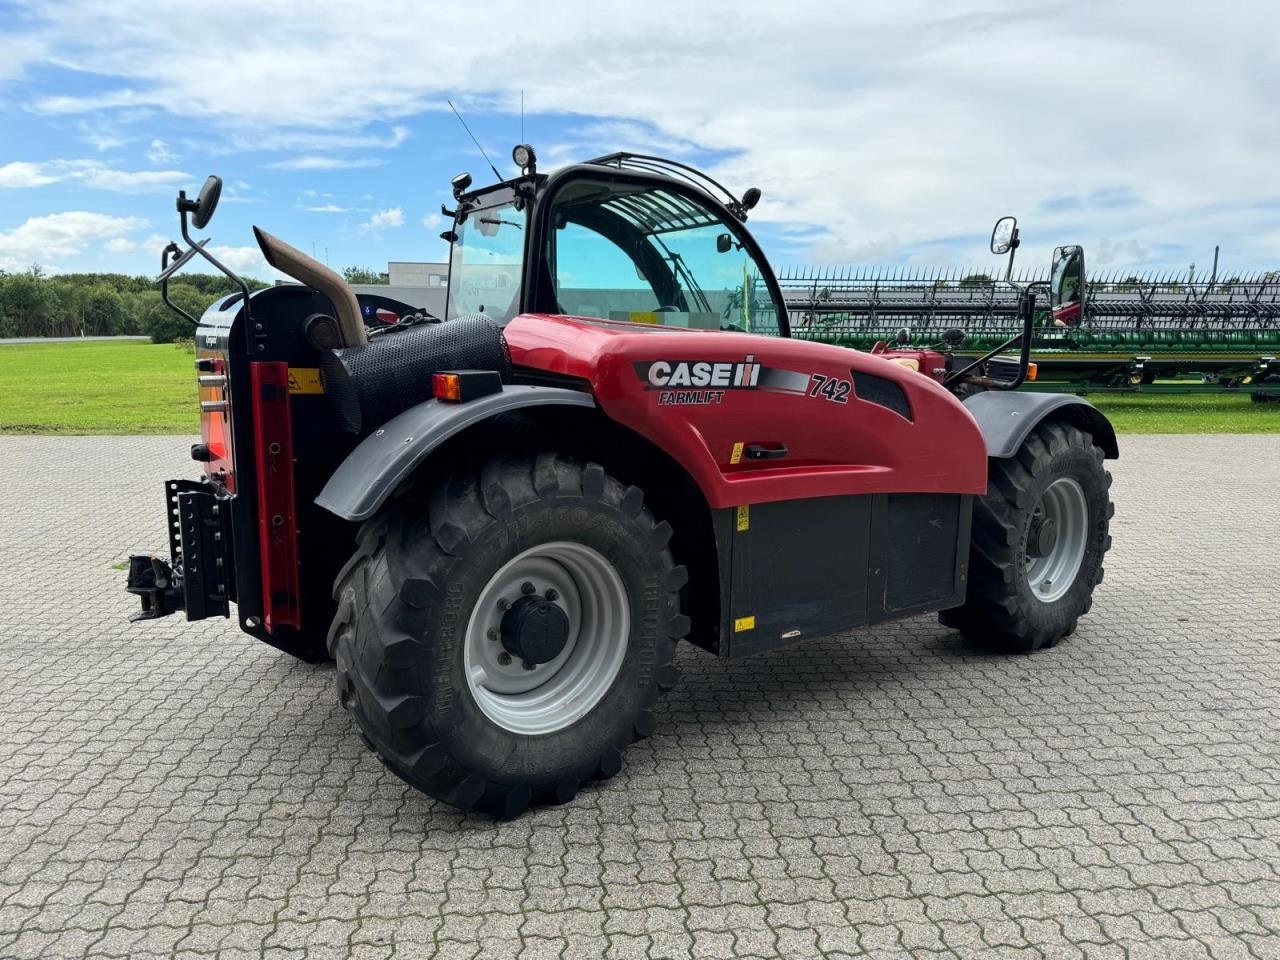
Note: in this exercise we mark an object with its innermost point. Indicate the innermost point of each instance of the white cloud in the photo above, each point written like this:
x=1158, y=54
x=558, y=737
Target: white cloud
x=391, y=217
x=21, y=174
x=327, y=208
x=245, y=260
x=42, y=239
x=320, y=162
x=432, y=220
x=159, y=153
x=120, y=245
x=89, y=172
x=124, y=181
x=905, y=126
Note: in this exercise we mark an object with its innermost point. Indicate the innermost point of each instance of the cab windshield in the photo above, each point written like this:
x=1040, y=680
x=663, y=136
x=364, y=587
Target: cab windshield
x=486, y=262
x=652, y=254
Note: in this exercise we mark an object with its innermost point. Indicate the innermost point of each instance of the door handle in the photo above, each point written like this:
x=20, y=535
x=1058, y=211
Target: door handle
x=758, y=451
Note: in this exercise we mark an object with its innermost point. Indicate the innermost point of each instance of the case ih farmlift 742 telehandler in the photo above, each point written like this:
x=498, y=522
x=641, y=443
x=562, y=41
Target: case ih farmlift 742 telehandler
x=499, y=523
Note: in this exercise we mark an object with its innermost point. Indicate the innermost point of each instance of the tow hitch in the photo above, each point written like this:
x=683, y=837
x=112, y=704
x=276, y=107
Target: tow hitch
x=151, y=579
x=197, y=575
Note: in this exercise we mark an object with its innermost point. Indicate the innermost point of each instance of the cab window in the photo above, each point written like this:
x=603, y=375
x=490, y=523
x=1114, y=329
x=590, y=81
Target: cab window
x=652, y=255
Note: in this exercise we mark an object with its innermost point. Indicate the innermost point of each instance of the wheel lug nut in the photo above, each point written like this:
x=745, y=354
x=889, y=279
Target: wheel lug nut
x=504, y=658
x=553, y=594
x=527, y=588
x=504, y=604
x=492, y=634
x=529, y=665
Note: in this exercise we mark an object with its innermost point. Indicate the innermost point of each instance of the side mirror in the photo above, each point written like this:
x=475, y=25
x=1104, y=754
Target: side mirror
x=202, y=207
x=1004, y=236
x=724, y=243
x=1067, y=286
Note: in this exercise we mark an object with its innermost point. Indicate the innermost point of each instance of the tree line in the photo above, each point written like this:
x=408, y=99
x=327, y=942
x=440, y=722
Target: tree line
x=36, y=304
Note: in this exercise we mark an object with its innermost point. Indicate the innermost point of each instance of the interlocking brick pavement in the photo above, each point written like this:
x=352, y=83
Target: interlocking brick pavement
x=181, y=790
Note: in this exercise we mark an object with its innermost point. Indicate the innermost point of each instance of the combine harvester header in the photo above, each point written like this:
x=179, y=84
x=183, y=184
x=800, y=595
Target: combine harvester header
x=1120, y=331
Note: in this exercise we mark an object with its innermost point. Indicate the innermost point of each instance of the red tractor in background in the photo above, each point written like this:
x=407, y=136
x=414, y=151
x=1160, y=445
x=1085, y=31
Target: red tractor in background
x=499, y=523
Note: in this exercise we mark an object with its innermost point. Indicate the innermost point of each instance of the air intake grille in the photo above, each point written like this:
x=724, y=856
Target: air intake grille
x=879, y=390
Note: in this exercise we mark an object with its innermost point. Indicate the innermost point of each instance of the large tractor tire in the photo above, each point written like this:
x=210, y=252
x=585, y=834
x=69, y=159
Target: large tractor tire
x=502, y=636
x=1039, y=537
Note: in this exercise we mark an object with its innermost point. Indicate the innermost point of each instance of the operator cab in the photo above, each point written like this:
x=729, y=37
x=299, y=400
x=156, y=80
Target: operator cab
x=619, y=239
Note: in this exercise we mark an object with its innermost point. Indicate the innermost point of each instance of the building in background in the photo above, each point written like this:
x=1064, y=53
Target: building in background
x=421, y=285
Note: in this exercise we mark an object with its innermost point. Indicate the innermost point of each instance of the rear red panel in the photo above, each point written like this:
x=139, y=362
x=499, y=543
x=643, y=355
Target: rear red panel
x=277, y=518
x=851, y=423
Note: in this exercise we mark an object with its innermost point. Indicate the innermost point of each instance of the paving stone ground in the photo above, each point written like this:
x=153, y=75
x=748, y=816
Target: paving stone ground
x=181, y=790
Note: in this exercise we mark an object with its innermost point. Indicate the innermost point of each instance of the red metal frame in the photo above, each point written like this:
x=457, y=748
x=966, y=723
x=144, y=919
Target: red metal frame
x=277, y=519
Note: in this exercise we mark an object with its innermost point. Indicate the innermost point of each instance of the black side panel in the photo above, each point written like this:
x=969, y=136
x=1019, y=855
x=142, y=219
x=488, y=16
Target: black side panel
x=799, y=569
x=922, y=548
x=803, y=568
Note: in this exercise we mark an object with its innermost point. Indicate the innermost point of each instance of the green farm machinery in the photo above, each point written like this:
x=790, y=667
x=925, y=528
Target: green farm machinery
x=1150, y=332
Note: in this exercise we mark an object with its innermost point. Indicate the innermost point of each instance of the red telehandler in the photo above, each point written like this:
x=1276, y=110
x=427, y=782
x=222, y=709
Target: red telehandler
x=500, y=522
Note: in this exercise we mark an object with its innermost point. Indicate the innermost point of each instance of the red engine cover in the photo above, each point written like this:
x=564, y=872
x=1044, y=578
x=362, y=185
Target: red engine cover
x=851, y=423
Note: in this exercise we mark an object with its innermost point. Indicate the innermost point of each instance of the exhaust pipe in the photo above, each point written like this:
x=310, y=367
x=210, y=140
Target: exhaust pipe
x=293, y=262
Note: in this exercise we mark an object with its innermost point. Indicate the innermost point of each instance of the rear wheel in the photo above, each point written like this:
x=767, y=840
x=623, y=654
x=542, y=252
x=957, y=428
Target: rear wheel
x=503, y=637
x=1039, y=538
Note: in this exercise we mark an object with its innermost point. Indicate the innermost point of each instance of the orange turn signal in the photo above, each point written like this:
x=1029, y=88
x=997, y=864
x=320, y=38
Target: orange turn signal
x=1032, y=370
x=447, y=386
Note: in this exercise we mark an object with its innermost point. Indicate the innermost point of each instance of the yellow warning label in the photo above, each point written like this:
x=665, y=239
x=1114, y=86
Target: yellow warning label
x=305, y=380
x=644, y=316
x=909, y=362
x=736, y=456
x=744, y=519
x=742, y=624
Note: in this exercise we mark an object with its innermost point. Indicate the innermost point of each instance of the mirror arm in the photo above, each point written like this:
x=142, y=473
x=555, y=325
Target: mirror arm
x=244, y=287
x=165, y=274
x=1027, y=304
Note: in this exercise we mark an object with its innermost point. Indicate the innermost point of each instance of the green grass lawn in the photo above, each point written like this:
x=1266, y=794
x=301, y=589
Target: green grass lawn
x=1187, y=413
x=97, y=387
x=135, y=387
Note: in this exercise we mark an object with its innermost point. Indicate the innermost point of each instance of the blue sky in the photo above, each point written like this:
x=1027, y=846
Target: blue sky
x=886, y=132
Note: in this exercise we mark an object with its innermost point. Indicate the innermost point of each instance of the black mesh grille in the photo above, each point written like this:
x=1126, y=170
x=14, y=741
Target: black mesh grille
x=886, y=393
x=370, y=384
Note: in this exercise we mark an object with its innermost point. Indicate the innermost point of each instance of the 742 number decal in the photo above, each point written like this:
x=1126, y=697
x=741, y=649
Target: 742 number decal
x=829, y=388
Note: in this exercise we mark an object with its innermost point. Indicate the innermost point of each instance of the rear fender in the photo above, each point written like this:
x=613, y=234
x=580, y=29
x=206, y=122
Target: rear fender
x=1008, y=417
x=388, y=456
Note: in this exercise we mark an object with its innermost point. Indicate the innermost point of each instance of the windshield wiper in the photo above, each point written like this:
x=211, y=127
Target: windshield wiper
x=496, y=220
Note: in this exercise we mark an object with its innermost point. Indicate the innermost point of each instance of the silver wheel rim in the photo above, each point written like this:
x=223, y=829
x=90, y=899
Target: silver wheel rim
x=1052, y=574
x=558, y=693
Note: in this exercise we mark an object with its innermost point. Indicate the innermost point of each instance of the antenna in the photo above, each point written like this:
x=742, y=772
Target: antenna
x=522, y=114
x=473, y=139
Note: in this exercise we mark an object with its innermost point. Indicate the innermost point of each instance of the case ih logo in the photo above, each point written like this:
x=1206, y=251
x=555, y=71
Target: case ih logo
x=660, y=374
x=682, y=382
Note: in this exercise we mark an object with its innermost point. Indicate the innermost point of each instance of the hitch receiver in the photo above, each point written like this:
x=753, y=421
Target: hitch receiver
x=198, y=577
x=151, y=580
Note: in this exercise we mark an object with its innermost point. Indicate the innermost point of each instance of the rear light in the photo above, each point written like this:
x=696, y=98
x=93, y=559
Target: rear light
x=277, y=520
x=1032, y=370
x=459, y=386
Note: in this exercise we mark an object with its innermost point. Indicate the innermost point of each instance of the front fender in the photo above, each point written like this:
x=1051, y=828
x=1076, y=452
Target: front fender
x=385, y=458
x=1007, y=417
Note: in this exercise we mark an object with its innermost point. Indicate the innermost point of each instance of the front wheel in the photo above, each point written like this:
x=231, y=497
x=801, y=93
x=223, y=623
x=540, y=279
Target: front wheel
x=1039, y=538
x=502, y=637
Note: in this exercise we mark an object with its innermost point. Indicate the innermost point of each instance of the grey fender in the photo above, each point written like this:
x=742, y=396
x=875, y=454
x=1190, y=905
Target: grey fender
x=1007, y=416
x=385, y=458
